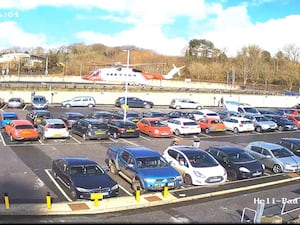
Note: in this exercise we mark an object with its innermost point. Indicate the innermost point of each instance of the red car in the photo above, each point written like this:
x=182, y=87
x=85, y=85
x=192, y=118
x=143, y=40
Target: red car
x=211, y=124
x=154, y=127
x=21, y=130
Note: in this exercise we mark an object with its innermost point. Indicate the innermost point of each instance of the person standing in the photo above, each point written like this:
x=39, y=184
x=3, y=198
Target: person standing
x=196, y=141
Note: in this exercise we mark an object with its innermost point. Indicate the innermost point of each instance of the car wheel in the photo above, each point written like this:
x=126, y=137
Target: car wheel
x=232, y=175
x=276, y=169
x=44, y=137
x=187, y=179
x=136, y=184
x=280, y=128
x=199, y=107
x=147, y=106
x=235, y=130
x=206, y=130
x=115, y=135
x=90, y=105
x=177, y=132
x=112, y=168
x=150, y=134
x=258, y=129
x=68, y=106
x=84, y=137
x=177, y=107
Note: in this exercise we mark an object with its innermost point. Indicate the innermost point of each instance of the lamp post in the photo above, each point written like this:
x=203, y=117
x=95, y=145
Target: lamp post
x=126, y=85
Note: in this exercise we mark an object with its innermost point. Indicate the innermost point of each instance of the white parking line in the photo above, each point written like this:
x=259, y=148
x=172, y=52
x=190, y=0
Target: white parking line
x=129, y=142
x=2, y=139
x=58, y=186
x=75, y=139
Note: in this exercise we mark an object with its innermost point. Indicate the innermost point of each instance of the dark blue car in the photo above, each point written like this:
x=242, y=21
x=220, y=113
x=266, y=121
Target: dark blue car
x=238, y=163
x=82, y=177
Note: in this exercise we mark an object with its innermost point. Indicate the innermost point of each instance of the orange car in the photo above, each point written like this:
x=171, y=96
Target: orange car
x=295, y=119
x=21, y=130
x=211, y=124
x=154, y=127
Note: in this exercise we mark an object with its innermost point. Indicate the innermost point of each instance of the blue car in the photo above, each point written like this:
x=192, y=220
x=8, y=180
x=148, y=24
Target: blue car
x=6, y=117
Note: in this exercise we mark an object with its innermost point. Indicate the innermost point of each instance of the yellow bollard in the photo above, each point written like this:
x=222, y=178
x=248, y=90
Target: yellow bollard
x=96, y=197
x=6, y=201
x=48, y=200
x=165, y=194
x=138, y=194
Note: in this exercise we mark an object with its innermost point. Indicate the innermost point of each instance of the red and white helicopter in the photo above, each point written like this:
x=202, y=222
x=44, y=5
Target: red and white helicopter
x=130, y=75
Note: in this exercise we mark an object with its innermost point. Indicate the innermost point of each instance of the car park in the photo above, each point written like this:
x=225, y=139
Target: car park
x=123, y=128
x=6, y=117
x=53, y=128
x=21, y=130
x=71, y=117
x=293, y=144
x=211, y=124
x=184, y=126
x=283, y=124
x=83, y=177
x=143, y=167
x=133, y=102
x=238, y=163
x=261, y=123
x=39, y=102
x=15, y=102
x=90, y=128
x=274, y=156
x=79, y=101
x=238, y=124
x=36, y=116
x=196, y=166
x=184, y=103
x=154, y=127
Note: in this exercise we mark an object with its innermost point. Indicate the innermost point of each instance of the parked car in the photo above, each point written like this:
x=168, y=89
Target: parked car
x=274, y=156
x=283, y=124
x=104, y=116
x=36, y=116
x=180, y=114
x=224, y=113
x=123, y=128
x=53, y=128
x=15, y=103
x=196, y=166
x=6, y=117
x=79, y=101
x=238, y=163
x=267, y=112
x=294, y=119
x=130, y=115
x=154, y=114
x=211, y=124
x=39, y=102
x=261, y=123
x=204, y=113
x=21, y=130
x=293, y=144
x=184, y=126
x=133, y=102
x=71, y=117
x=83, y=176
x=154, y=127
x=89, y=128
x=184, y=103
x=238, y=124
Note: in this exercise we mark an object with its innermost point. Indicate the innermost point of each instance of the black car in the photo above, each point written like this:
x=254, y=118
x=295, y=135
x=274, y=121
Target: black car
x=292, y=144
x=123, y=128
x=130, y=115
x=36, y=116
x=104, y=116
x=283, y=123
x=180, y=114
x=238, y=163
x=82, y=177
x=71, y=117
x=89, y=128
x=133, y=102
x=154, y=114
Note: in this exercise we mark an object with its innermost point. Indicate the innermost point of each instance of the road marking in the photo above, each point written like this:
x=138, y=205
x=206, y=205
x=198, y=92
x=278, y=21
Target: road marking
x=129, y=142
x=57, y=185
x=79, y=142
x=2, y=139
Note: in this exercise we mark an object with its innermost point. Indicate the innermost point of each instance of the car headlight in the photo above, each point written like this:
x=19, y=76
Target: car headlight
x=245, y=170
x=150, y=180
x=115, y=187
x=82, y=189
x=198, y=174
x=156, y=131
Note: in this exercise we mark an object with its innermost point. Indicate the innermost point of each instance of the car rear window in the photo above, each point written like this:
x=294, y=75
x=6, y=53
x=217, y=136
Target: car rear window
x=56, y=125
x=190, y=123
x=20, y=127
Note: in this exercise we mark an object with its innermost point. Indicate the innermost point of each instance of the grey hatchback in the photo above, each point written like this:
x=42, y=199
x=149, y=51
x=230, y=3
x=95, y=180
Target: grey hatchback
x=39, y=102
x=89, y=128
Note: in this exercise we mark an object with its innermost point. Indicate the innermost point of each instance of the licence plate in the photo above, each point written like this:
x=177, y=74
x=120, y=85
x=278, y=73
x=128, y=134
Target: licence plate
x=99, y=132
x=25, y=132
x=171, y=184
x=57, y=135
x=38, y=120
x=130, y=130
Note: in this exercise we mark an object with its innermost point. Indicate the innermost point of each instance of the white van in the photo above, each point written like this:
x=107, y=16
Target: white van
x=241, y=108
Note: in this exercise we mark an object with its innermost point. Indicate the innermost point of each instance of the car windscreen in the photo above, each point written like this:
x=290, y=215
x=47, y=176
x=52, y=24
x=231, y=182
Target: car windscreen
x=98, y=126
x=157, y=123
x=75, y=116
x=190, y=123
x=86, y=170
x=57, y=125
x=281, y=153
x=10, y=117
x=44, y=115
x=240, y=157
x=151, y=162
x=201, y=159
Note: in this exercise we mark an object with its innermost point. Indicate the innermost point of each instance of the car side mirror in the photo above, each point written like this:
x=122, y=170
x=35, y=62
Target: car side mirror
x=268, y=157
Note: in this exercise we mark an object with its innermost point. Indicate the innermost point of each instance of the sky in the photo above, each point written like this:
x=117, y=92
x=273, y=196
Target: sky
x=164, y=26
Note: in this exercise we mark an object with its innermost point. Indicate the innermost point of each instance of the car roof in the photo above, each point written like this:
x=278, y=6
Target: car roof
x=228, y=148
x=19, y=122
x=54, y=120
x=267, y=145
x=186, y=149
x=77, y=160
x=294, y=140
x=140, y=151
x=92, y=120
x=9, y=114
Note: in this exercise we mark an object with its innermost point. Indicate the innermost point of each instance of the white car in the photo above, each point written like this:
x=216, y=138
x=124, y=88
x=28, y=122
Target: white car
x=184, y=103
x=204, y=113
x=53, y=128
x=184, y=126
x=196, y=166
x=238, y=124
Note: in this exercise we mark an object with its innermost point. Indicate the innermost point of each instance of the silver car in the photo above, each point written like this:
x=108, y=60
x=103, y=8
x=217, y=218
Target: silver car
x=39, y=102
x=15, y=103
x=274, y=156
x=261, y=123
